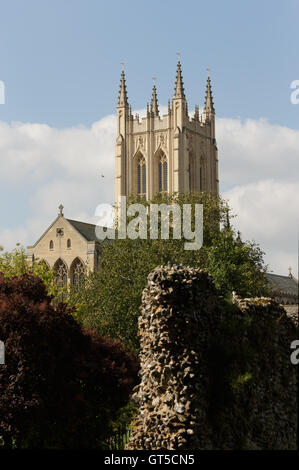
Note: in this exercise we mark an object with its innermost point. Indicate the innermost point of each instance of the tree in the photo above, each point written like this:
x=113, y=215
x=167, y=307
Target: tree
x=14, y=263
x=237, y=266
x=109, y=299
x=61, y=384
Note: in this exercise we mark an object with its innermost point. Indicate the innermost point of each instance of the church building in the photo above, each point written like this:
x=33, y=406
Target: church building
x=70, y=247
x=174, y=153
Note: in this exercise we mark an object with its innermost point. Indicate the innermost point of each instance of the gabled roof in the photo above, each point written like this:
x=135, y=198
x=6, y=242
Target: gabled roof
x=88, y=231
x=283, y=284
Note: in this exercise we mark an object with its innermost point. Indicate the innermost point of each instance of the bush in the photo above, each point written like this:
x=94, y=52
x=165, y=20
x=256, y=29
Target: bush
x=61, y=385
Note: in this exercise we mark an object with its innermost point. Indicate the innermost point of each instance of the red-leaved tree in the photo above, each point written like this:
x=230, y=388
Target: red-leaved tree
x=60, y=385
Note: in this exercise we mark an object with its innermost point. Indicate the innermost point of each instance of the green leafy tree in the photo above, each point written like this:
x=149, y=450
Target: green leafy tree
x=15, y=263
x=109, y=300
x=237, y=266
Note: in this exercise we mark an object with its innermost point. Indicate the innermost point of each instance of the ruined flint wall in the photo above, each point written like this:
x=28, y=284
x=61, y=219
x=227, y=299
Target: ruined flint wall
x=213, y=375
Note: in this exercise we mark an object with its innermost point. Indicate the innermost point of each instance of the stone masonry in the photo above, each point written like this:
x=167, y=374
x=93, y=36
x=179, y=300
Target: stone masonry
x=214, y=375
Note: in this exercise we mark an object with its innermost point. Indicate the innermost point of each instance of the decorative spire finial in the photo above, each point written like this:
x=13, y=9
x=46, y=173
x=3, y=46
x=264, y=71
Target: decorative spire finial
x=209, y=105
x=122, y=97
x=290, y=271
x=179, y=84
x=60, y=210
x=154, y=102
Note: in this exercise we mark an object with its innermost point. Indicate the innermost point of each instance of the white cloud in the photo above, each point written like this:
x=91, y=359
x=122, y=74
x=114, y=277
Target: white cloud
x=259, y=173
x=256, y=150
x=267, y=211
x=37, y=151
x=54, y=166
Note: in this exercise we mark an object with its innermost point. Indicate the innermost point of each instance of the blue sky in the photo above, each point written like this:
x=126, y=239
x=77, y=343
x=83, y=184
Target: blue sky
x=60, y=62
x=60, y=59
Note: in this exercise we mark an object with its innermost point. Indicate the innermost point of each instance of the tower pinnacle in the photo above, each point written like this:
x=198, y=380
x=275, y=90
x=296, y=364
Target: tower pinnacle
x=209, y=105
x=154, y=102
x=179, y=84
x=196, y=113
x=122, y=97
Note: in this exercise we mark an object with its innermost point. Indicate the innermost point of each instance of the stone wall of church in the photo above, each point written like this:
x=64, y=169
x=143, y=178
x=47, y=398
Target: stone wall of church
x=63, y=244
x=191, y=155
x=213, y=375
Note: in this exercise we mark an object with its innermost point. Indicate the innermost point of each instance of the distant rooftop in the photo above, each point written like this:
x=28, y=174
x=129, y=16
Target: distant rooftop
x=87, y=230
x=283, y=284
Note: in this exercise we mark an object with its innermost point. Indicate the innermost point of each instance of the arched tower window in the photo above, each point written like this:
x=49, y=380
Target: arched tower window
x=163, y=173
x=51, y=245
x=68, y=243
x=77, y=272
x=202, y=174
x=61, y=275
x=141, y=176
x=192, y=173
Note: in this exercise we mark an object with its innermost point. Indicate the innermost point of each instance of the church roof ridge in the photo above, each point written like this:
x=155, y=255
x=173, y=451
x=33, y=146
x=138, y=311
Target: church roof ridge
x=80, y=222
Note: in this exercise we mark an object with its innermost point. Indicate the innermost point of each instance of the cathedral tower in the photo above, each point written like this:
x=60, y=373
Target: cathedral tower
x=172, y=153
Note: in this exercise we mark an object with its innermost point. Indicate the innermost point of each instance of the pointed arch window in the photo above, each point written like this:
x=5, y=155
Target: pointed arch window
x=200, y=179
x=163, y=173
x=77, y=272
x=202, y=182
x=141, y=176
x=68, y=243
x=61, y=275
x=192, y=172
x=51, y=245
x=202, y=174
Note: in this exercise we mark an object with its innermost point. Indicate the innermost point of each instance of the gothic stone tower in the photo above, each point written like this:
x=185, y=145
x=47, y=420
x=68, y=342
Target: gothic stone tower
x=173, y=153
